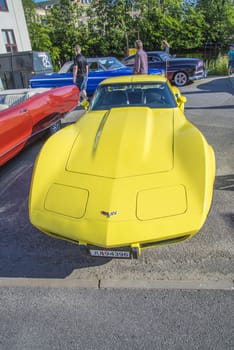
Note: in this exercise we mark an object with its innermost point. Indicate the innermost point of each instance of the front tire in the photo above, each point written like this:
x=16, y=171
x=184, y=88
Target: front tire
x=180, y=79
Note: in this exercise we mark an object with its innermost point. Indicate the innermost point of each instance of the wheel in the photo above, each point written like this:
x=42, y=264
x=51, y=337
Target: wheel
x=55, y=127
x=180, y=79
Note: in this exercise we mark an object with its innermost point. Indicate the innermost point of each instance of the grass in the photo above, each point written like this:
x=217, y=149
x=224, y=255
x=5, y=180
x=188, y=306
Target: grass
x=218, y=66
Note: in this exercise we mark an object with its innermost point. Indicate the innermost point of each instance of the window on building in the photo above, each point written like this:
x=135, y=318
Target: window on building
x=3, y=5
x=9, y=40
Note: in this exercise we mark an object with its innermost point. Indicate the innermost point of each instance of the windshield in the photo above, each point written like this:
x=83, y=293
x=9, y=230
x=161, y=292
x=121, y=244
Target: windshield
x=165, y=56
x=42, y=62
x=153, y=95
x=109, y=63
x=67, y=67
x=96, y=64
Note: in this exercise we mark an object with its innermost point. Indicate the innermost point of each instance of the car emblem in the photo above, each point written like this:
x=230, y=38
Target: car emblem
x=108, y=214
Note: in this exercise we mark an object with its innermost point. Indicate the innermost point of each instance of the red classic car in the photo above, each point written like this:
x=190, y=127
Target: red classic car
x=25, y=113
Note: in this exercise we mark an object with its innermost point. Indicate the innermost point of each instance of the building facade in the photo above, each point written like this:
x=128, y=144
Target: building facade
x=14, y=36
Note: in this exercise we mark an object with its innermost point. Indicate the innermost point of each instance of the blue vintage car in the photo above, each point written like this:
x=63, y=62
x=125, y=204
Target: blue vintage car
x=100, y=68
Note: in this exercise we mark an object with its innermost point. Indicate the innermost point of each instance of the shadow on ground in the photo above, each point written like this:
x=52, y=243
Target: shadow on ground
x=216, y=85
x=25, y=251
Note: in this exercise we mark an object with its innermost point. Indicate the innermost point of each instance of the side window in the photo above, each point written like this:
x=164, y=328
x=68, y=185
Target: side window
x=130, y=61
x=3, y=5
x=93, y=66
x=153, y=59
x=9, y=40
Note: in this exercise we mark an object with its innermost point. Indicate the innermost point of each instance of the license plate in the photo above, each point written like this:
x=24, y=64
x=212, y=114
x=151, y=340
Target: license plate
x=121, y=254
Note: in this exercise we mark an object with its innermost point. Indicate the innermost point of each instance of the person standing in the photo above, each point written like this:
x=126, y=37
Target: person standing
x=80, y=74
x=141, y=59
x=165, y=46
x=231, y=59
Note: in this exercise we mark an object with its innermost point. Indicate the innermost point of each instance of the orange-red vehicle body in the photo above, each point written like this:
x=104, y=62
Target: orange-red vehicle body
x=35, y=111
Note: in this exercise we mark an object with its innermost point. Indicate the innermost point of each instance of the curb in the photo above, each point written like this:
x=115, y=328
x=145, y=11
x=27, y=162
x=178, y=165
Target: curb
x=232, y=81
x=117, y=284
x=169, y=284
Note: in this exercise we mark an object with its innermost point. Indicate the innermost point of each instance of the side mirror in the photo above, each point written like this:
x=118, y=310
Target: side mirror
x=176, y=91
x=85, y=104
x=181, y=100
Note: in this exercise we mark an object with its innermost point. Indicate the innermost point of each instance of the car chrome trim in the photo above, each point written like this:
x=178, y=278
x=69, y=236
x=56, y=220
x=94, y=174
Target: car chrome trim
x=200, y=75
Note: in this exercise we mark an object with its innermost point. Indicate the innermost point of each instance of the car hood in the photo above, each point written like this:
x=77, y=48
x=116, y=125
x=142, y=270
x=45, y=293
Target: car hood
x=123, y=142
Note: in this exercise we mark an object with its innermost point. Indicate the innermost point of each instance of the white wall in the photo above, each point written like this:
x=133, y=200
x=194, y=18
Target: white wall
x=14, y=19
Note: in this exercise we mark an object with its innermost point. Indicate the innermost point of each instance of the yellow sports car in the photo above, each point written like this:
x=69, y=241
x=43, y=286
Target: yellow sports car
x=132, y=173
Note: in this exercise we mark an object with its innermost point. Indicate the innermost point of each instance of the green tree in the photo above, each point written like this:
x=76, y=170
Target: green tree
x=39, y=33
x=178, y=22
x=219, y=17
x=28, y=4
x=192, y=24
x=64, y=27
x=108, y=29
x=159, y=20
x=104, y=27
x=57, y=32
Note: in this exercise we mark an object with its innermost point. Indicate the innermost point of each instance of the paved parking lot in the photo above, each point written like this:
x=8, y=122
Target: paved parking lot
x=174, y=297
x=207, y=257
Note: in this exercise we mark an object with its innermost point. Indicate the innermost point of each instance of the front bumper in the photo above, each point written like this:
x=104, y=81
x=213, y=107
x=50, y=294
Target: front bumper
x=199, y=75
x=132, y=251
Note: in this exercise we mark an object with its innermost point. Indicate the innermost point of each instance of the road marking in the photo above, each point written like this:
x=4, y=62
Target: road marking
x=117, y=284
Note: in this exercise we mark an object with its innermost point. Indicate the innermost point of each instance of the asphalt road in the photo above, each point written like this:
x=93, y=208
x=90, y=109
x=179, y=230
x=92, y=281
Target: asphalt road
x=88, y=319
x=208, y=256
x=173, y=297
